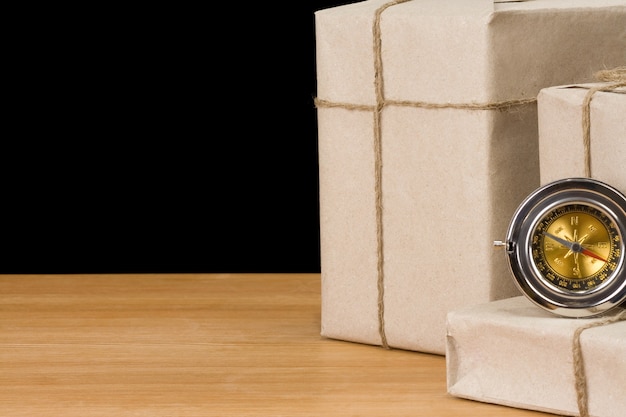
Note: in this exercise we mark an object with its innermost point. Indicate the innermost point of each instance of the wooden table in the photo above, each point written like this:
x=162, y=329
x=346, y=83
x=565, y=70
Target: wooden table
x=201, y=345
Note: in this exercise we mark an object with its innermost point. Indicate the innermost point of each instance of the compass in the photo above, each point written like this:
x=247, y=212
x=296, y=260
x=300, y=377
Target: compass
x=565, y=247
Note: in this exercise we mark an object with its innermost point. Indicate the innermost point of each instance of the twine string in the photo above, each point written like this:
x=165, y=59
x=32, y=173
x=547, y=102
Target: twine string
x=379, y=86
x=616, y=78
x=580, y=379
x=613, y=75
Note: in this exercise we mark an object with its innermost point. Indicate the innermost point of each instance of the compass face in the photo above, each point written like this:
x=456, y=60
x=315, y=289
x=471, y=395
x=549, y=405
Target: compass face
x=565, y=247
x=576, y=247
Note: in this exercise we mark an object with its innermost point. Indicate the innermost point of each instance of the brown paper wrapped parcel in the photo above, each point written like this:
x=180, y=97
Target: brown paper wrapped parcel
x=562, y=152
x=427, y=144
x=513, y=353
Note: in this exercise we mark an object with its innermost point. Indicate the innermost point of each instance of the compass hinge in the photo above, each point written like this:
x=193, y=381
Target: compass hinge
x=508, y=246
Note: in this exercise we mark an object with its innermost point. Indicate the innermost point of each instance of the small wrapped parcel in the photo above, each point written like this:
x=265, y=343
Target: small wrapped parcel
x=571, y=147
x=511, y=352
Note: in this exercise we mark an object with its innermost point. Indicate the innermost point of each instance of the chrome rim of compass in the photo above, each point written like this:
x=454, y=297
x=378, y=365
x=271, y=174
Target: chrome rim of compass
x=585, y=191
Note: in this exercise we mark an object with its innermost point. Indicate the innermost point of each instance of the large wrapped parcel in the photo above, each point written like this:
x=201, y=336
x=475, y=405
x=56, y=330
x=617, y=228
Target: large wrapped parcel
x=511, y=352
x=427, y=131
x=564, y=151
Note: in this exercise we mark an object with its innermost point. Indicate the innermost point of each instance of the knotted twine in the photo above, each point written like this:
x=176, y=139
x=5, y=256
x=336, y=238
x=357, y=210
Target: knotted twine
x=381, y=103
x=616, y=78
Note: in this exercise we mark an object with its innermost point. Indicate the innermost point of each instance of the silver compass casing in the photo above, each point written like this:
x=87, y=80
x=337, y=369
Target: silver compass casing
x=528, y=278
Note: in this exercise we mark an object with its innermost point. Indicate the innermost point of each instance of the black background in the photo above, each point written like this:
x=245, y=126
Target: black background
x=162, y=140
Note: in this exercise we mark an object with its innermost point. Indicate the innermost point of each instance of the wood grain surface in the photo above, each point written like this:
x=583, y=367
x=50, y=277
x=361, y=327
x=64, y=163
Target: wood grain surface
x=201, y=345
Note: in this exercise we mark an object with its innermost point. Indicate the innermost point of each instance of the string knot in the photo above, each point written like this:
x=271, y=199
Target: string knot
x=614, y=75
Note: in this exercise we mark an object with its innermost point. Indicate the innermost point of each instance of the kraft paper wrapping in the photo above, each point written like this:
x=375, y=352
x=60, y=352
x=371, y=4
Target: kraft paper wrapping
x=561, y=145
x=512, y=353
x=407, y=228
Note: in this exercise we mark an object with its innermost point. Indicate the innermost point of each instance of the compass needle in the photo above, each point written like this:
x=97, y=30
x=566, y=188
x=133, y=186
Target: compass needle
x=563, y=242
x=592, y=255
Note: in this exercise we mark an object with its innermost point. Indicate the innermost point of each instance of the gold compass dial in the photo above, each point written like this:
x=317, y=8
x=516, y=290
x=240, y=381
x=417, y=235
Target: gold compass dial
x=576, y=247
